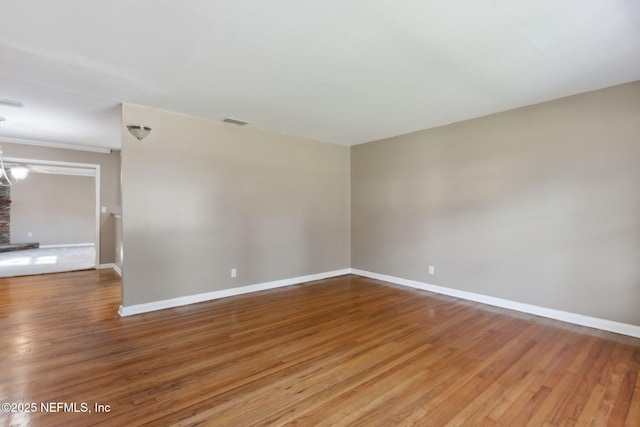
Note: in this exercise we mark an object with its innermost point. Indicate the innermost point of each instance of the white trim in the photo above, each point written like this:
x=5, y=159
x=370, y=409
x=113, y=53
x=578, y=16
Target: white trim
x=56, y=170
x=98, y=225
x=112, y=266
x=51, y=162
x=69, y=245
x=65, y=146
x=578, y=319
x=192, y=299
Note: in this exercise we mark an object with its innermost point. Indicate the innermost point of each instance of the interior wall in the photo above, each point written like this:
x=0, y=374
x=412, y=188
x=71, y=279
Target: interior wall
x=539, y=205
x=109, y=184
x=201, y=198
x=55, y=209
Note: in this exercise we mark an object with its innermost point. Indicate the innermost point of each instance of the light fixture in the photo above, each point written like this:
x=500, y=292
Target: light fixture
x=13, y=175
x=140, y=132
x=19, y=172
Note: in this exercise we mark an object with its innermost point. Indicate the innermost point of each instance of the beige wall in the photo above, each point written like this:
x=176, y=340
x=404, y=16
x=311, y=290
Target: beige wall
x=56, y=209
x=539, y=205
x=202, y=197
x=109, y=183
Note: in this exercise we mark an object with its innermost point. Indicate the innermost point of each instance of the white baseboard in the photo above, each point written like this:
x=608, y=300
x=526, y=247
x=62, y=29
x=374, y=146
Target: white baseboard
x=105, y=266
x=69, y=245
x=192, y=299
x=112, y=266
x=578, y=319
x=117, y=269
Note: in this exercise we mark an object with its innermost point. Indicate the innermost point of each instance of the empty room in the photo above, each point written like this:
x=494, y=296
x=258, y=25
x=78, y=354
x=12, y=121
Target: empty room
x=356, y=213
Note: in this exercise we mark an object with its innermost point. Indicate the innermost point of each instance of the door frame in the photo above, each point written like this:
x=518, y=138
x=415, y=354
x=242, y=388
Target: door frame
x=96, y=177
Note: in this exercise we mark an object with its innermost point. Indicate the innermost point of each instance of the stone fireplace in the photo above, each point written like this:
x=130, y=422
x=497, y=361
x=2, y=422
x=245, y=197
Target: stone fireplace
x=5, y=224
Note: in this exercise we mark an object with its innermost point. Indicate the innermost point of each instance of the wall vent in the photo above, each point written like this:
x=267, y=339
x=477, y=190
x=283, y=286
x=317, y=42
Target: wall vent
x=11, y=103
x=235, y=122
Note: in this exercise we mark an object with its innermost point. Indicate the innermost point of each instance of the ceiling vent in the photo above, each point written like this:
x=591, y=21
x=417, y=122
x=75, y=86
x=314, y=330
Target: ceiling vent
x=235, y=122
x=11, y=103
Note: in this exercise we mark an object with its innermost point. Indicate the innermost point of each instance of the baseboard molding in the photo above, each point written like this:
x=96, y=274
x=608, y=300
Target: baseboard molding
x=112, y=266
x=117, y=269
x=577, y=319
x=105, y=266
x=70, y=245
x=192, y=299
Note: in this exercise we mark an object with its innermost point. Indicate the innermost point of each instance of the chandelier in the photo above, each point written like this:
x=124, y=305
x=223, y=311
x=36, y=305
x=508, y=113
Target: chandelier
x=11, y=175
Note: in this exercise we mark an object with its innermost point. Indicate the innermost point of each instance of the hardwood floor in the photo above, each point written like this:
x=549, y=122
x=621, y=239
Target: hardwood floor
x=343, y=351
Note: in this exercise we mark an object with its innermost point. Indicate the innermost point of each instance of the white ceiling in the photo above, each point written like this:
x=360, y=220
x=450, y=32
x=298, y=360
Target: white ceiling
x=340, y=71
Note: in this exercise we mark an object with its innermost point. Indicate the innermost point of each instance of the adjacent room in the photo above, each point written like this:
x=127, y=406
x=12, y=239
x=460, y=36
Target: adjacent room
x=52, y=217
x=320, y=213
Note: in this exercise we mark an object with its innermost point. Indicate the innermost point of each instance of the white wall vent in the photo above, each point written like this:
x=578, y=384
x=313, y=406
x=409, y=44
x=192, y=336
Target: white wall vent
x=235, y=122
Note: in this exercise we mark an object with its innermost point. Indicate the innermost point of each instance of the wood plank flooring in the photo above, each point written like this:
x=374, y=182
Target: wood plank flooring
x=347, y=351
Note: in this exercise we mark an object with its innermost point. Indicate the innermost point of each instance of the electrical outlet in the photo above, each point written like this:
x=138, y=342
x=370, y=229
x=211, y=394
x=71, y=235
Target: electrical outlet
x=233, y=272
x=29, y=234
x=432, y=270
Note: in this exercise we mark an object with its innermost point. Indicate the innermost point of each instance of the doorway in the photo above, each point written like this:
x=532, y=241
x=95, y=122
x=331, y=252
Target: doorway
x=57, y=207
